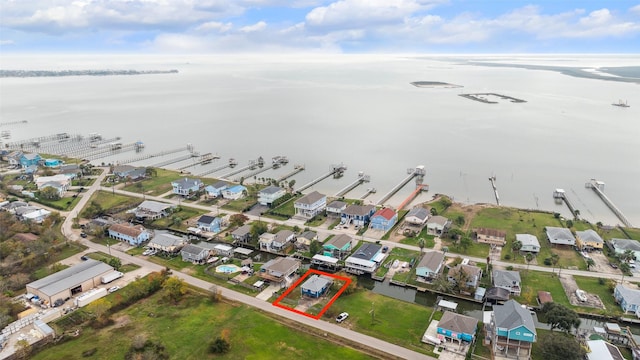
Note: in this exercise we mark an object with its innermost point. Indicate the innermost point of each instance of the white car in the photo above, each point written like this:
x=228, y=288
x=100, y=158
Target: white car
x=113, y=289
x=342, y=317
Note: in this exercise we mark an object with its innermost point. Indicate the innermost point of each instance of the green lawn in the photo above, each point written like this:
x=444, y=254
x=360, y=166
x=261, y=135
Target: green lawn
x=534, y=281
x=393, y=320
x=429, y=241
x=186, y=329
x=155, y=185
x=177, y=218
x=100, y=256
x=65, y=203
x=114, y=202
x=593, y=286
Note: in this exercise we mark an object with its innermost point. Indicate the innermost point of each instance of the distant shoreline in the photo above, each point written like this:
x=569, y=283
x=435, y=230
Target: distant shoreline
x=56, y=73
x=434, y=84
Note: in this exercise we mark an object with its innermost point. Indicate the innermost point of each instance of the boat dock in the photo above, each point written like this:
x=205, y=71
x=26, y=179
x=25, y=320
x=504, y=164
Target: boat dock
x=204, y=159
x=492, y=179
x=561, y=196
x=420, y=188
x=362, y=178
x=230, y=164
x=336, y=170
x=7, y=123
x=112, y=148
x=276, y=162
x=296, y=169
x=149, y=156
x=598, y=187
x=368, y=192
x=35, y=142
x=178, y=159
x=259, y=162
x=417, y=173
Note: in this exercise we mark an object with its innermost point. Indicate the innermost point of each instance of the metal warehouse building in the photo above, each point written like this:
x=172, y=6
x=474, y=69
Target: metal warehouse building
x=71, y=281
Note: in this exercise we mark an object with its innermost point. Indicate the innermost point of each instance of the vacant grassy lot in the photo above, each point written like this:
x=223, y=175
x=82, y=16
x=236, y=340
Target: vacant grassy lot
x=593, y=286
x=534, y=281
x=177, y=218
x=155, y=185
x=113, y=202
x=186, y=329
x=392, y=320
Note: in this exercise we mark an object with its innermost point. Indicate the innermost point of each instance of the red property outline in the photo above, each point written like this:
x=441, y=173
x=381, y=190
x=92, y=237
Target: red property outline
x=324, y=309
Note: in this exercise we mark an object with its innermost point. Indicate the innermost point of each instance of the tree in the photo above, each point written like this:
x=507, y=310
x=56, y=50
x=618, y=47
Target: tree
x=50, y=193
x=421, y=244
x=174, y=288
x=560, y=347
x=459, y=220
x=433, y=211
x=569, y=223
x=528, y=258
x=237, y=220
x=465, y=243
x=315, y=247
x=455, y=234
x=515, y=247
x=554, y=260
x=291, y=184
x=590, y=263
x=115, y=263
x=150, y=171
x=99, y=308
x=560, y=317
x=219, y=346
x=258, y=228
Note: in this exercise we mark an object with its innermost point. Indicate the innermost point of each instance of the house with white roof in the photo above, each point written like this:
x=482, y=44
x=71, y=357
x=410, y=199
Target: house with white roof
x=602, y=350
x=270, y=194
x=167, y=243
x=560, y=236
x=153, y=210
x=234, y=192
x=60, y=182
x=529, y=243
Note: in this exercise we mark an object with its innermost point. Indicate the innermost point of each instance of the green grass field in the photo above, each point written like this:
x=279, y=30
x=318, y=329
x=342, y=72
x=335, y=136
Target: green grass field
x=533, y=281
x=155, y=185
x=186, y=329
x=109, y=200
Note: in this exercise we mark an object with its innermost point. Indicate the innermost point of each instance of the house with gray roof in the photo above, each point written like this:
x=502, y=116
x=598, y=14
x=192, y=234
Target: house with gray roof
x=560, y=236
x=359, y=215
x=306, y=238
x=133, y=234
x=513, y=330
x=195, y=254
x=241, y=235
x=280, y=270
x=417, y=216
x=589, y=240
x=621, y=245
x=215, y=190
x=310, y=205
x=529, y=243
x=457, y=327
x=507, y=279
x=186, y=186
x=430, y=265
x=70, y=281
x=153, y=210
x=270, y=194
x=210, y=223
x=167, y=243
x=335, y=208
x=472, y=275
x=629, y=299
x=338, y=246
x=278, y=242
x=437, y=225
x=316, y=286
x=367, y=251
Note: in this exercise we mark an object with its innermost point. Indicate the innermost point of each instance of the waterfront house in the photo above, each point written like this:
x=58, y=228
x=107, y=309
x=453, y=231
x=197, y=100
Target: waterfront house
x=215, y=190
x=270, y=194
x=122, y=171
x=53, y=163
x=602, y=350
x=338, y=246
x=430, y=265
x=622, y=245
x=195, y=254
x=491, y=236
x=470, y=274
x=358, y=215
x=316, y=286
x=383, y=219
x=513, y=330
x=223, y=250
x=133, y=234
x=278, y=242
x=209, y=223
x=234, y=193
x=71, y=171
x=167, y=243
x=241, y=235
x=629, y=299
x=458, y=327
x=153, y=210
x=506, y=279
x=335, y=208
x=27, y=160
x=281, y=270
x=186, y=186
x=589, y=240
x=365, y=259
x=417, y=216
x=13, y=158
x=59, y=182
x=529, y=243
x=437, y=225
x=310, y=205
x=306, y=238
x=560, y=236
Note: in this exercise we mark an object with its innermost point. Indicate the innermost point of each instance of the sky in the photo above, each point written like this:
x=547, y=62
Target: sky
x=326, y=26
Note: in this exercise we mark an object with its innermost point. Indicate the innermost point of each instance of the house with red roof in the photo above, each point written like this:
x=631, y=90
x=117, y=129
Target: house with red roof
x=383, y=219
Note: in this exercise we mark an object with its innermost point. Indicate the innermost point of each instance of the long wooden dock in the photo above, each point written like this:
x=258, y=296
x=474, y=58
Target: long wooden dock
x=149, y=156
x=111, y=150
x=204, y=159
x=252, y=165
x=296, y=169
x=362, y=178
x=420, y=188
x=417, y=173
x=560, y=195
x=598, y=186
x=230, y=164
x=492, y=179
x=177, y=159
x=336, y=171
x=368, y=192
x=7, y=123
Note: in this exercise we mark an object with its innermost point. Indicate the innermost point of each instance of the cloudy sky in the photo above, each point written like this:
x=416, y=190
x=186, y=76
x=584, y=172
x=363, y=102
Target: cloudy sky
x=347, y=26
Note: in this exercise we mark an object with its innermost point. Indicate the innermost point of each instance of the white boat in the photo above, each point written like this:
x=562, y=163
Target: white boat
x=581, y=295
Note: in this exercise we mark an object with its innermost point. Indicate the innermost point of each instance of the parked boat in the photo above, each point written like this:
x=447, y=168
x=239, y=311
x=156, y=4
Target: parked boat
x=621, y=104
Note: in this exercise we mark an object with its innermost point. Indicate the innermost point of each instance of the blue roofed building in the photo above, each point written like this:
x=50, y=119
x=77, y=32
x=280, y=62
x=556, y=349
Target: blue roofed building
x=29, y=160
x=234, y=193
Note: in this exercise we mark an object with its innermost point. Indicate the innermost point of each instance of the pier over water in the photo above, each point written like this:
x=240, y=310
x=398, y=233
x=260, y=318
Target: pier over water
x=418, y=173
x=336, y=171
x=598, y=186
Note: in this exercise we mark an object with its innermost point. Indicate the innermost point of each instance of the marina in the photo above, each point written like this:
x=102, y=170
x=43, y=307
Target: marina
x=204, y=159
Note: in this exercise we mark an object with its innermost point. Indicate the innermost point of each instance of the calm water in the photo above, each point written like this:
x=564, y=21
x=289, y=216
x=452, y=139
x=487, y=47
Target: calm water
x=361, y=111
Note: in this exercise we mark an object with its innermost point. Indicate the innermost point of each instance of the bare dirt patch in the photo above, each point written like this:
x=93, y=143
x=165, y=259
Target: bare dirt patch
x=570, y=286
x=121, y=321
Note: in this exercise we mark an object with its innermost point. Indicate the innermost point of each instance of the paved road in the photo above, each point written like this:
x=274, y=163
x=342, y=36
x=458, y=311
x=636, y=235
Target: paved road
x=367, y=341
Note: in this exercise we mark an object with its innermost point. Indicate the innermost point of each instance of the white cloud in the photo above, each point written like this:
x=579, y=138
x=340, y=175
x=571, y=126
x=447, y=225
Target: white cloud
x=635, y=9
x=214, y=26
x=259, y=26
x=597, y=18
x=6, y=42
